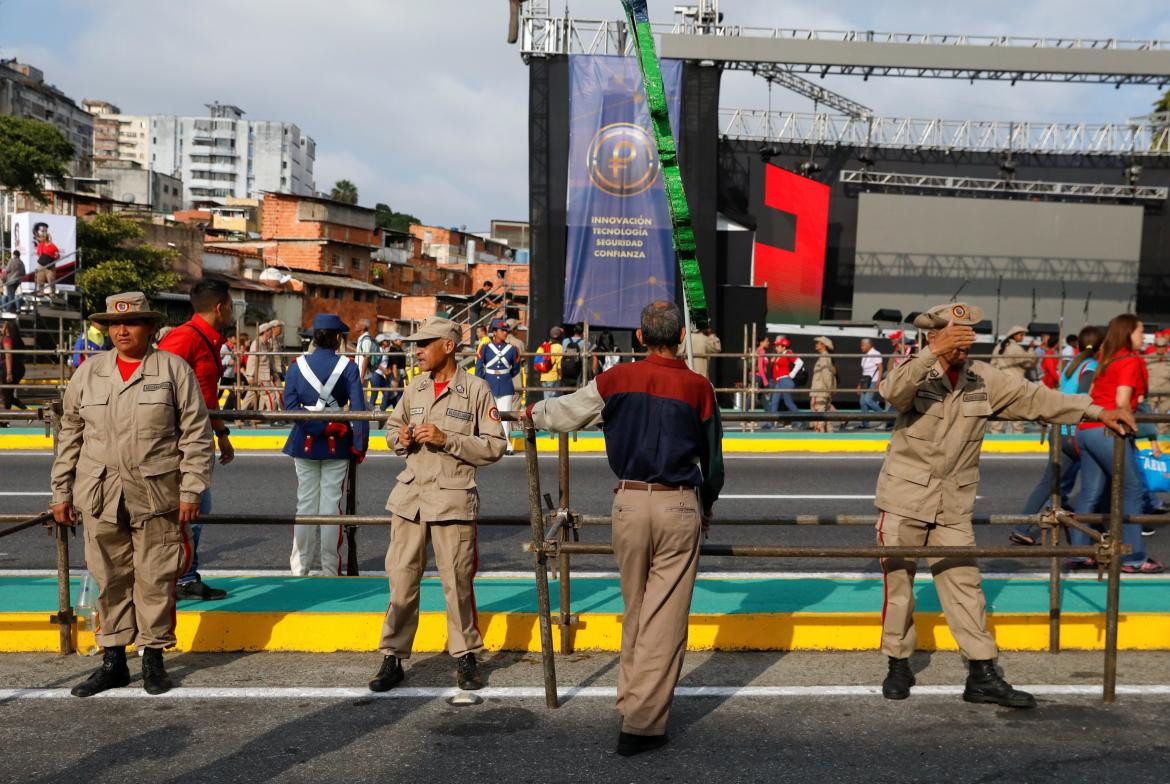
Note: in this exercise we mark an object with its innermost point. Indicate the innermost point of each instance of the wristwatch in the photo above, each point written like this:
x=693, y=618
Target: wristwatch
x=223, y=433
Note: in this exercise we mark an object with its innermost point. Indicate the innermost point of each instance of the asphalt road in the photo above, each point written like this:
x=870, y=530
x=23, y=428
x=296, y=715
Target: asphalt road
x=757, y=486
x=732, y=737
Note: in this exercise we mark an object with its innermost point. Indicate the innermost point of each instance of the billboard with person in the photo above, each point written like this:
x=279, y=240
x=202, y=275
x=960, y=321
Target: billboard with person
x=46, y=240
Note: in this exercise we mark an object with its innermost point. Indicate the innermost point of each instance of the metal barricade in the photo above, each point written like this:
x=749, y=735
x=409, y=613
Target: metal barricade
x=555, y=532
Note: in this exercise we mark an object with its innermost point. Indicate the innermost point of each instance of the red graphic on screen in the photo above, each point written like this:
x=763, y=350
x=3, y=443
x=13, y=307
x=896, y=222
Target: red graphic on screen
x=795, y=278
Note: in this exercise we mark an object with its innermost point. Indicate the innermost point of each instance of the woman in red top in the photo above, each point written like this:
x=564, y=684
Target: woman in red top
x=1121, y=380
x=1050, y=365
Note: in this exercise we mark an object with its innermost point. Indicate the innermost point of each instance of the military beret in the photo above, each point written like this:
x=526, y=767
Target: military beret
x=952, y=312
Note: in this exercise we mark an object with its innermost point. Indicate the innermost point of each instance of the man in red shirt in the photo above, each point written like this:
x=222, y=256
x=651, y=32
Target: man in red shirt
x=198, y=342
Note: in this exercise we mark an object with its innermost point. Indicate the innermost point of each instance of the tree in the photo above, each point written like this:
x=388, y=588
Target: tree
x=389, y=220
x=115, y=260
x=344, y=191
x=29, y=150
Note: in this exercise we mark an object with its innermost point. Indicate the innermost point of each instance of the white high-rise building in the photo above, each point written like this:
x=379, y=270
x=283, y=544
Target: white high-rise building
x=223, y=155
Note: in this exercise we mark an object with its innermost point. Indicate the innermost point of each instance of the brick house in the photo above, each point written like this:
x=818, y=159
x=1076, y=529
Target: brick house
x=327, y=246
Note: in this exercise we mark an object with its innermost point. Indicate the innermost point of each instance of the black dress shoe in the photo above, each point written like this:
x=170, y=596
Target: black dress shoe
x=467, y=673
x=629, y=744
x=898, y=681
x=199, y=590
x=985, y=685
x=154, y=675
x=112, y=674
x=389, y=675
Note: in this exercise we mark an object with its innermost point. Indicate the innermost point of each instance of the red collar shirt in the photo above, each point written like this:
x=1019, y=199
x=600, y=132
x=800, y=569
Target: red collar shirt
x=198, y=343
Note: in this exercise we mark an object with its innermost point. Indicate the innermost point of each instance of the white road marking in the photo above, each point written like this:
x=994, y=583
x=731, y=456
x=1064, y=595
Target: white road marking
x=13, y=492
x=535, y=692
x=579, y=574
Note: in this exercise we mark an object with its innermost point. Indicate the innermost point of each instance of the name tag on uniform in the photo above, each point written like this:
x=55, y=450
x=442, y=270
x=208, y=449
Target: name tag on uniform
x=417, y=411
x=464, y=415
x=974, y=396
x=156, y=387
x=930, y=395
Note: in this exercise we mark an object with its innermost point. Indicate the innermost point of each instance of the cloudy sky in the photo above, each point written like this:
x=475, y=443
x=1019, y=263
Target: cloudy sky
x=423, y=104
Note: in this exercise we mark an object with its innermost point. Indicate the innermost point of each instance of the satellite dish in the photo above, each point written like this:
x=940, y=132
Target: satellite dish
x=128, y=198
x=273, y=275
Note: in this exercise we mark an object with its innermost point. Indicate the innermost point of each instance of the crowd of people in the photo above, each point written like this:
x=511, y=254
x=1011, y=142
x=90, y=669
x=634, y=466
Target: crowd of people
x=139, y=436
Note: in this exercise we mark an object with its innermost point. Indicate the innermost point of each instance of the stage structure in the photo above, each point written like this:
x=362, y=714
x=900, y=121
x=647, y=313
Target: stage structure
x=831, y=210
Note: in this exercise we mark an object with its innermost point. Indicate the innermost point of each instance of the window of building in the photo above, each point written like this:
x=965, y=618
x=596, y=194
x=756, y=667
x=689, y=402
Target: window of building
x=357, y=263
x=339, y=294
x=326, y=292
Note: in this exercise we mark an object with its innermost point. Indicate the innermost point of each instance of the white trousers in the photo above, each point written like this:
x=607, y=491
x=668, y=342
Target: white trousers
x=505, y=404
x=320, y=490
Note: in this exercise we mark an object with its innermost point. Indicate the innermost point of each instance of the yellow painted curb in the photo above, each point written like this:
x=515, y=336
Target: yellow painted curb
x=328, y=632
x=593, y=444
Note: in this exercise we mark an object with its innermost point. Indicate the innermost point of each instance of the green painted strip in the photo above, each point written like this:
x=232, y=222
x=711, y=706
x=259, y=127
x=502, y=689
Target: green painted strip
x=682, y=233
x=714, y=597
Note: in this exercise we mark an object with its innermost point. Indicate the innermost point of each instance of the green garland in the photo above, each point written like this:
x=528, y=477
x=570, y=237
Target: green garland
x=682, y=233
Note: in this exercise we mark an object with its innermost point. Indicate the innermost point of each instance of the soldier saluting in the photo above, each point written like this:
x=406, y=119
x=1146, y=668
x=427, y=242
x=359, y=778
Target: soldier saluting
x=926, y=490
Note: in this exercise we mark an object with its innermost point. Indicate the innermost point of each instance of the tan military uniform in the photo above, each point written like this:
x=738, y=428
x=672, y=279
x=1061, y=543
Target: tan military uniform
x=435, y=498
x=1159, y=397
x=127, y=454
x=702, y=347
x=259, y=369
x=1016, y=361
x=822, y=384
x=926, y=489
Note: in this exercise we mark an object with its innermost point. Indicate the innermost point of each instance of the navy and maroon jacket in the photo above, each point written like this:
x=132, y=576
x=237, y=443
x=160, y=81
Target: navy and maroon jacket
x=660, y=419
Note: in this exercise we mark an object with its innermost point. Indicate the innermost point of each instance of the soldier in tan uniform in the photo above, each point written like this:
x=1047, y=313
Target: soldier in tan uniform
x=258, y=370
x=1158, y=365
x=704, y=343
x=926, y=489
x=133, y=456
x=823, y=382
x=1012, y=358
x=446, y=425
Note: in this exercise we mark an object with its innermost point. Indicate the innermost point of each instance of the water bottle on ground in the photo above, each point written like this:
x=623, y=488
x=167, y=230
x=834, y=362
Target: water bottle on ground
x=86, y=610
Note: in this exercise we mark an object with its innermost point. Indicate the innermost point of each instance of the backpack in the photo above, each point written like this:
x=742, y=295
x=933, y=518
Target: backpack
x=571, y=363
x=543, y=362
x=801, y=377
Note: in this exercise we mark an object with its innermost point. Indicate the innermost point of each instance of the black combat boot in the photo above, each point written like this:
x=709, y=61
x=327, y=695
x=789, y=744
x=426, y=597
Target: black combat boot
x=630, y=744
x=154, y=675
x=985, y=685
x=468, y=673
x=113, y=674
x=389, y=675
x=898, y=681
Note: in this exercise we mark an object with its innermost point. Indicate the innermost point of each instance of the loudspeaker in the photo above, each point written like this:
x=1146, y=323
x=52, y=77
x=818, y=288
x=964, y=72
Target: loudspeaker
x=739, y=306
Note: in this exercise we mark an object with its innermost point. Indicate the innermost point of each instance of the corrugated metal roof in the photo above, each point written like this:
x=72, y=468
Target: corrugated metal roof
x=337, y=281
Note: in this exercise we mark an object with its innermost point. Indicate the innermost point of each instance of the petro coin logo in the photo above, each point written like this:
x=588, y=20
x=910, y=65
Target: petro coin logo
x=622, y=160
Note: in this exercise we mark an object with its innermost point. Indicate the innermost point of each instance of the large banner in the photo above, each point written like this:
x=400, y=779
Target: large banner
x=619, y=253
x=790, y=259
x=39, y=234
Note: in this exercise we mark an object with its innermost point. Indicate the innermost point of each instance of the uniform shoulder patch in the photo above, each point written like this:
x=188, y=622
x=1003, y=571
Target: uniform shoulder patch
x=494, y=414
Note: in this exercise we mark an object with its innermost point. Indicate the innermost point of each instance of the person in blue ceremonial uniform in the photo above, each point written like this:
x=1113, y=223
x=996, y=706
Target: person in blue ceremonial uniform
x=322, y=380
x=498, y=363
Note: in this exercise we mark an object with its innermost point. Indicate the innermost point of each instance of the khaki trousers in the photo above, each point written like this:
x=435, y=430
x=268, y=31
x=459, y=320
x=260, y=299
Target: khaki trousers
x=46, y=278
x=656, y=544
x=136, y=566
x=956, y=580
x=457, y=557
